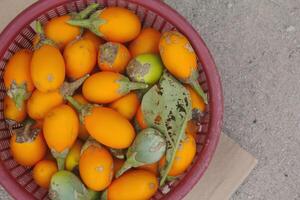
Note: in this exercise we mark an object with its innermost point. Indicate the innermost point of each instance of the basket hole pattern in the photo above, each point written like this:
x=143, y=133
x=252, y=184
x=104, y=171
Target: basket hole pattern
x=24, y=40
x=25, y=179
x=32, y=187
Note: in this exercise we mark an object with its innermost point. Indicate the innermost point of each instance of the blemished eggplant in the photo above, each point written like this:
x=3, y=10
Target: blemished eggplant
x=145, y=68
x=148, y=147
x=65, y=185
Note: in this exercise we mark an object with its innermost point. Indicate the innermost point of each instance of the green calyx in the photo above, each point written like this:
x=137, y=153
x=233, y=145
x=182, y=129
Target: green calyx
x=43, y=39
x=82, y=109
x=25, y=133
x=148, y=147
x=129, y=163
x=18, y=93
x=60, y=157
x=104, y=195
x=66, y=185
x=86, y=12
x=145, y=68
x=68, y=89
x=93, y=23
x=193, y=81
x=126, y=85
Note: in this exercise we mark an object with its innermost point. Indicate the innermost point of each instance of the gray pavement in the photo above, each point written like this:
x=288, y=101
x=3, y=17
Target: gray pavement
x=256, y=46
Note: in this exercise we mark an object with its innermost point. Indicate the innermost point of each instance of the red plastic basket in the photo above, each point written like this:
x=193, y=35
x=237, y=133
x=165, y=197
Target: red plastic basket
x=17, y=180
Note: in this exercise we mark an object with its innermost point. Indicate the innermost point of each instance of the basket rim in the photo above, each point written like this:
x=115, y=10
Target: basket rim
x=209, y=67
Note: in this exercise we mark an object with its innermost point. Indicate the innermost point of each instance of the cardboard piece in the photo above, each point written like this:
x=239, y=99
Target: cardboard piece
x=228, y=169
x=230, y=165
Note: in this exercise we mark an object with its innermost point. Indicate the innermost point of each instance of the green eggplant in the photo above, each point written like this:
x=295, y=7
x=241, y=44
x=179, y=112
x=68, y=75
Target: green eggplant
x=145, y=68
x=148, y=147
x=66, y=186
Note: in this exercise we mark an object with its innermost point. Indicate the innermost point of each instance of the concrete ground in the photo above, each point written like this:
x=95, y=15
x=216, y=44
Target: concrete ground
x=256, y=46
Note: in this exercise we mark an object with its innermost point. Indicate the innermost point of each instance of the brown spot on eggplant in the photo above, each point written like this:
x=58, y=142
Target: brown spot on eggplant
x=157, y=147
x=152, y=186
x=137, y=71
x=157, y=119
x=108, y=52
x=50, y=77
x=99, y=169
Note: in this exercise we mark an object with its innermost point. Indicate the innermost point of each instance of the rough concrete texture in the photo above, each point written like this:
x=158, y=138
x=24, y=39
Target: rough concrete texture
x=256, y=46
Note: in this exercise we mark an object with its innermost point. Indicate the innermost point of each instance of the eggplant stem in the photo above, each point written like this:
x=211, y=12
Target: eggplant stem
x=137, y=86
x=60, y=158
x=68, y=89
x=60, y=163
x=78, y=106
x=126, y=166
x=27, y=127
x=82, y=109
x=86, y=12
x=39, y=28
x=43, y=39
x=18, y=93
x=25, y=133
x=85, y=23
x=93, y=23
x=196, y=86
x=126, y=85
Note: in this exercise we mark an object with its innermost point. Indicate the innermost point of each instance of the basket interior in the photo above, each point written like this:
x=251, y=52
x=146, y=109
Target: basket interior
x=24, y=39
